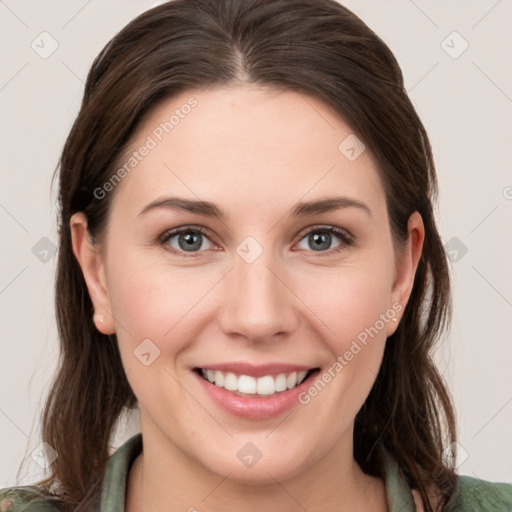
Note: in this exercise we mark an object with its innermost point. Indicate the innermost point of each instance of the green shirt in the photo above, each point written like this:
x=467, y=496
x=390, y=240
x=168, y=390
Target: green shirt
x=474, y=495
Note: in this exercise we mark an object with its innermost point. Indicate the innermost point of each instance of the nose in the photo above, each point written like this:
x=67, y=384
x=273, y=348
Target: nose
x=257, y=303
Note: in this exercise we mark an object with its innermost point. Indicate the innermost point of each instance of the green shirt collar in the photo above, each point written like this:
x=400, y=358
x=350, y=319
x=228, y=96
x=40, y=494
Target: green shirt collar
x=114, y=484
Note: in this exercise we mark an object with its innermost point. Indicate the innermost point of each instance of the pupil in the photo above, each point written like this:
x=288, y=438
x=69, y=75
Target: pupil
x=321, y=241
x=191, y=241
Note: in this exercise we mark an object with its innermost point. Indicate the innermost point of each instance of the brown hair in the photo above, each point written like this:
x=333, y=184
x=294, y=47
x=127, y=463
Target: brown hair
x=314, y=47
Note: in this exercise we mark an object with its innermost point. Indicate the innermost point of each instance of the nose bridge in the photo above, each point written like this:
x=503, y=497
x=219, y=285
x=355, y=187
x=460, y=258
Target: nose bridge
x=257, y=304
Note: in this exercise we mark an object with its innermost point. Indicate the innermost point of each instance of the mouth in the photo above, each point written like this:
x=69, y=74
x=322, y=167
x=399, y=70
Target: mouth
x=264, y=386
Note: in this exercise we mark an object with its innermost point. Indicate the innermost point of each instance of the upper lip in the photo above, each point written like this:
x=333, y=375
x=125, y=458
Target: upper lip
x=256, y=370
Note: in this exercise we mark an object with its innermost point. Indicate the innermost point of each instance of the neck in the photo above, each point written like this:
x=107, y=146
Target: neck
x=165, y=478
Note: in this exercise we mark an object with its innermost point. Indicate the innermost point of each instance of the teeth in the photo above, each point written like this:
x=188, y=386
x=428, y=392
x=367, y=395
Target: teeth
x=281, y=382
x=218, y=379
x=230, y=382
x=301, y=376
x=246, y=384
x=267, y=385
x=291, y=381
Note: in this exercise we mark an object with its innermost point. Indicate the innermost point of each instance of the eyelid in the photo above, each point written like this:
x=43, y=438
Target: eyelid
x=181, y=229
x=326, y=227
x=347, y=239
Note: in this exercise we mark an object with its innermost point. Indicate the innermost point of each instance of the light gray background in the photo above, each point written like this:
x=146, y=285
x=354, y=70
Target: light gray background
x=464, y=102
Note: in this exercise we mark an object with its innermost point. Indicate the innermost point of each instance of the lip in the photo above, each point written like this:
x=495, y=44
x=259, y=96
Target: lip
x=243, y=368
x=254, y=408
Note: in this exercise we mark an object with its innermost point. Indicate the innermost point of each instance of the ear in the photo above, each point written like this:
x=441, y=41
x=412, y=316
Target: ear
x=405, y=268
x=91, y=262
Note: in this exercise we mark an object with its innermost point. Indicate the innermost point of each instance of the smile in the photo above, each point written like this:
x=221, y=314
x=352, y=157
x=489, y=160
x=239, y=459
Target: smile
x=265, y=385
x=254, y=392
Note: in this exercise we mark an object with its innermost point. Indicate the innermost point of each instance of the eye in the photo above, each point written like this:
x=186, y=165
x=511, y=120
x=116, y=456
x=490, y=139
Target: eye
x=193, y=240
x=187, y=239
x=320, y=238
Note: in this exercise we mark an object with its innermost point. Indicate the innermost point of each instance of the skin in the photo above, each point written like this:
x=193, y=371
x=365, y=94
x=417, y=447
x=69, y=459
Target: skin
x=255, y=154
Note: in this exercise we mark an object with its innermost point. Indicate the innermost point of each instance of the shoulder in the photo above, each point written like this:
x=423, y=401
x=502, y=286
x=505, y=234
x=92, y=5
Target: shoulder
x=27, y=499
x=477, y=495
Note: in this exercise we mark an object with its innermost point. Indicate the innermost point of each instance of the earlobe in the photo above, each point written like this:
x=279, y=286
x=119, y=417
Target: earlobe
x=90, y=259
x=406, y=266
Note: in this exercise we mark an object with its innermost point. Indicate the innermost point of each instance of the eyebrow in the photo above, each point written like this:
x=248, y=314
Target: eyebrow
x=209, y=209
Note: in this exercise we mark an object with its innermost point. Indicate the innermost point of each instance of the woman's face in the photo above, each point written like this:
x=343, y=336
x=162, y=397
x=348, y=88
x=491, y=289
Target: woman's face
x=262, y=294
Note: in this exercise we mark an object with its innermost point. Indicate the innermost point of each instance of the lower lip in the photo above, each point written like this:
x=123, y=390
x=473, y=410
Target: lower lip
x=252, y=407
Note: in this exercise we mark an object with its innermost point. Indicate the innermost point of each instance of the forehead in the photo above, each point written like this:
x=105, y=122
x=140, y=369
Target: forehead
x=244, y=142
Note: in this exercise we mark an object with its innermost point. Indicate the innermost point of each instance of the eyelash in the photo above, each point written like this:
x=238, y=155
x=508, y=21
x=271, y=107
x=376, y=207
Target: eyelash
x=346, y=239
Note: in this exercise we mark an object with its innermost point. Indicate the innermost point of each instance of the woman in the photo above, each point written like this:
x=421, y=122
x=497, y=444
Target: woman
x=248, y=255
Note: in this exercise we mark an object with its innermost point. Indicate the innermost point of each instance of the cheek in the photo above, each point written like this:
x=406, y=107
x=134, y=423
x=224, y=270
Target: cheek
x=351, y=308
x=158, y=311
x=352, y=318
x=169, y=304
x=157, y=301
x=348, y=301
